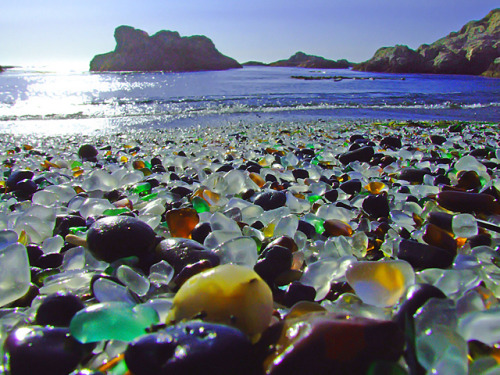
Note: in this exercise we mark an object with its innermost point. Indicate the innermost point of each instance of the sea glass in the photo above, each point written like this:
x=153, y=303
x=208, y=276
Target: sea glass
x=464, y=225
x=112, y=321
x=228, y=294
x=181, y=222
x=380, y=283
x=15, y=274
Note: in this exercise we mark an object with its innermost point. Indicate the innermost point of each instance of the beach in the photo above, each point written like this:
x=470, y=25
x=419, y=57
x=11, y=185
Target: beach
x=381, y=235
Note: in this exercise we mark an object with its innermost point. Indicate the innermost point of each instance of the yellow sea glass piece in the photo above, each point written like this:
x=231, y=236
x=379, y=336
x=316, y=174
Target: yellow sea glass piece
x=229, y=294
x=380, y=283
x=376, y=187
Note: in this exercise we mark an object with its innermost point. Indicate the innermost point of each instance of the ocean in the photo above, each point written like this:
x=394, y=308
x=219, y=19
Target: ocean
x=37, y=101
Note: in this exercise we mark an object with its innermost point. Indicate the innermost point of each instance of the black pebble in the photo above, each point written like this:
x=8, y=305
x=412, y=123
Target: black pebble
x=116, y=237
x=376, y=205
x=88, y=153
x=58, y=310
x=270, y=200
x=43, y=351
x=207, y=348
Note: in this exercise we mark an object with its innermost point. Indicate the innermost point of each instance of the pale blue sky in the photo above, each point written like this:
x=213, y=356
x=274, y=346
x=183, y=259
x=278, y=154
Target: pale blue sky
x=73, y=31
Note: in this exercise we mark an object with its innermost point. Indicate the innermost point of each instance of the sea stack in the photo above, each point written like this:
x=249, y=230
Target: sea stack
x=164, y=51
x=302, y=60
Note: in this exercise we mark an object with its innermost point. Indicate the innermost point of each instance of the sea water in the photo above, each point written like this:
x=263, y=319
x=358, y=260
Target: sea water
x=61, y=102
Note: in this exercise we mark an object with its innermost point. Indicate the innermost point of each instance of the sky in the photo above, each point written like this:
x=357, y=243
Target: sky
x=60, y=32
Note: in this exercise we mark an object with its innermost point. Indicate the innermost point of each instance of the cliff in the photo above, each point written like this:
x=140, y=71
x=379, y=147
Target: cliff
x=302, y=60
x=472, y=50
x=164, y=51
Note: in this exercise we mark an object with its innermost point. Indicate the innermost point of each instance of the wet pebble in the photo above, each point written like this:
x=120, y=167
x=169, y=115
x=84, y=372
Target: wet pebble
x=116, y=237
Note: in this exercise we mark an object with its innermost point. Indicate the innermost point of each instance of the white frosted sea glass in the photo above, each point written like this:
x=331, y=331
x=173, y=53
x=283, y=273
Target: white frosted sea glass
x=15, y=276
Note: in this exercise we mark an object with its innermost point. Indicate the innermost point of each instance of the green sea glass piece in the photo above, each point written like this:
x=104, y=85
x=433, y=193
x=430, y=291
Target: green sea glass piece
x=143, y=188
x=112, y=321
x=115, y=211
x=200, y=205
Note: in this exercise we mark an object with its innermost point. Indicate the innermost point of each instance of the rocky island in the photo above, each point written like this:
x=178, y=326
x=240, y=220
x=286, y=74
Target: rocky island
x=302, y=60
x=474, y=50
x=164, y=51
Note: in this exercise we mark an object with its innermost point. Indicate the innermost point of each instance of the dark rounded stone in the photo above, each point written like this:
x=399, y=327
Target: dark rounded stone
x=363, y=154
x=356, y=137
x=116, y=237
x=156, y=161
x=300, y=173
x=225, y=168
x=58, y=310
x=332, y=195
x=43, y=351
x=351, y=187
x=480, y=153
x=468, y=180
x=391, y=141
x=192, y=348
x=88, y=153
x=456, y=128
x=63, y=223
x=297, y=292
x=413, y=175
x=441, y=180
x=437, y=139
x=25, y=189
x=180, y=252
x=404, y=190
x=376, y=205
x=181, y=191
x=270, y=200
x=51, y=260
x=273, y=261
x=17, y=176
x=201, y=231
x=421, y=255
x=158, y=168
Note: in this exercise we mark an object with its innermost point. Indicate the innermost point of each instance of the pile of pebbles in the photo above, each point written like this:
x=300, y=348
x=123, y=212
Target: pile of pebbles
x=282, y=248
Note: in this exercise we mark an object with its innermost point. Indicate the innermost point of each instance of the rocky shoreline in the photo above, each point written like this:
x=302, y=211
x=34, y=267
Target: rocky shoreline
x=121, y=250
x=473, y=50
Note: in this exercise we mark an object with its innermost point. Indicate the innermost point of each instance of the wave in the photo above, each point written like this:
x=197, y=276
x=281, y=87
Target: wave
x=206, y=107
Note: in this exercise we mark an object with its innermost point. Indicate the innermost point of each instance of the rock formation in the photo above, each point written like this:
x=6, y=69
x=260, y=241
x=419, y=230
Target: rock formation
x=164, y=51
x=301, y=60
x=474, y=49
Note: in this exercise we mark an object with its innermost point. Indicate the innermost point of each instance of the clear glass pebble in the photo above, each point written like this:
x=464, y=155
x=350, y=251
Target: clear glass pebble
x=442, y=351
x=483, y=326
x=287, y=226
x=133, y=280
x=464, y=225
x=106, y=290
x=15, y=276
x=52, y=244
x=161, y=273
x=240, y=250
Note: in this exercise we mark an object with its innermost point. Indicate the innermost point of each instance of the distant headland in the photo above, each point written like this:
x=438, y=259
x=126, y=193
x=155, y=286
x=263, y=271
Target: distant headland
x=164, y=51
x=302, y=60
x=474, y=50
